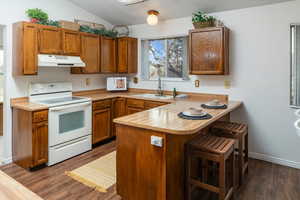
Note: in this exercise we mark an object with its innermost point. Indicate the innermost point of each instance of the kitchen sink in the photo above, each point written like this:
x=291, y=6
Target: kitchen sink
x=154, y=96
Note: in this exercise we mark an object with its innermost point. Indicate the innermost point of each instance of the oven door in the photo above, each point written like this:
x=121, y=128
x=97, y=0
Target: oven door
x=69, y=122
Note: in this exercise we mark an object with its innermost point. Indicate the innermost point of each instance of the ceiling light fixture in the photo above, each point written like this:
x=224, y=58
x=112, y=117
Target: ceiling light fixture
x=131, y=2
x=152, y=18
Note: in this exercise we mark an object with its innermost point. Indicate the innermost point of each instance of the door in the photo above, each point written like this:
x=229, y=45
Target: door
x=50, y=40
x=90, y=51
x=30, y=49
x=132, y=55
x=119, y=110
x=132, y=110
x=40, y=143
x=69, y=122
x=71, y=42
x=108, y=55
x=101, y=124
x=122, y=55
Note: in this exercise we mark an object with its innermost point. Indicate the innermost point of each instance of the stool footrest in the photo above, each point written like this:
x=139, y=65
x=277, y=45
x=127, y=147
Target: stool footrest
x=204, y=186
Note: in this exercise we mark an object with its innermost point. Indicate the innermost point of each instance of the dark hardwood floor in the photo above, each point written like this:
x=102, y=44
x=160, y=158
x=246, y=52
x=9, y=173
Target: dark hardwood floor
x=266, y=181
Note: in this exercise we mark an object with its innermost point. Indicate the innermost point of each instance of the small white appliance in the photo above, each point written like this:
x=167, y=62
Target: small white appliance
x=69, y=120
x=116, y=84
x=46, y=60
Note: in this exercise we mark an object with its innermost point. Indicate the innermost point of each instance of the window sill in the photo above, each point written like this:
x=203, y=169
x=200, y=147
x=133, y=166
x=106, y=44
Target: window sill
x=169, y=80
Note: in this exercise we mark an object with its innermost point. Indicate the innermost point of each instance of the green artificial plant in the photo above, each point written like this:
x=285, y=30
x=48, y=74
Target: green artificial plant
x=37, y=15
x=201, y=17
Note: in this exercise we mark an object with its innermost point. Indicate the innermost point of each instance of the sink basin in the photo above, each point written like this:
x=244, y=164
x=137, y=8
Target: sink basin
x=154, y=96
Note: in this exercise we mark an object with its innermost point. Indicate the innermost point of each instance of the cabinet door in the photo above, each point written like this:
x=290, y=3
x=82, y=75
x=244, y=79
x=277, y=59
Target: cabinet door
x=122, y=55
x=50, y=40
x=90, y=51
x=132, y=55
x=108, y=55
x=209, y=51
x=119, y=110
x=30, y=49
x=132, y=110
x=71, y=42
x=101, y=124
x=40, y=143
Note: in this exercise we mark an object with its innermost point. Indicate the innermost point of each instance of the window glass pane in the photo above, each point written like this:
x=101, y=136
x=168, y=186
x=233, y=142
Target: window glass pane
x=157, y=58
x=71, y=121
x=175, y=57
x=1, y=57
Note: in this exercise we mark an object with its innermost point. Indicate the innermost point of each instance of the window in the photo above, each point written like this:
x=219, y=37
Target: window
x=166, y=58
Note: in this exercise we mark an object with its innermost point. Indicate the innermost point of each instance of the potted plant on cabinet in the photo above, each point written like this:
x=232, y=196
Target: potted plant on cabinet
x=201, y=20
x=36, y=15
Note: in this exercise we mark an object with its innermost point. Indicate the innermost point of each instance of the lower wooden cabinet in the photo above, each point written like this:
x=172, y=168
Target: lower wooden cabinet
x=102, y=114
x=132, y=110
x=119, y=110
x=30, y=138
x=40, y=143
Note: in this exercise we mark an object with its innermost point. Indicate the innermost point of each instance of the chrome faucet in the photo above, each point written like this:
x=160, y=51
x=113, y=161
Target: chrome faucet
x=159, y=88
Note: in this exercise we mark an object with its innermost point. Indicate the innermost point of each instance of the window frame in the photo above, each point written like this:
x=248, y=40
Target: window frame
x=145, y=67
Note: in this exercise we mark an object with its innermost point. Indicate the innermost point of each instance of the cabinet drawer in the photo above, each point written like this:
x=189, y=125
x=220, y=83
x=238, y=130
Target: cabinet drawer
x=40, y=116
x=102, y=104
x=135, y=103
x=153, y=104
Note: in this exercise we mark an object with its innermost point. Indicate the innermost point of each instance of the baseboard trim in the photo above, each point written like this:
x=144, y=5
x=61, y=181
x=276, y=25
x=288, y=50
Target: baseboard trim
x=4, y=161
x=275, y=160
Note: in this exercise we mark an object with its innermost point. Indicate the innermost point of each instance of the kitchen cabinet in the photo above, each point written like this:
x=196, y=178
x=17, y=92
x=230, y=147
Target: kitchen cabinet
x=119, y=110
x=40, y=143
x=50, y=40
x=127, y=55
x=108, y=55
x=71, y=42
x=153, y=104
x=25, y=48
x=134, y=106
x=209, y=51
x=102, y=114
x=30, y=138
x=90, y=51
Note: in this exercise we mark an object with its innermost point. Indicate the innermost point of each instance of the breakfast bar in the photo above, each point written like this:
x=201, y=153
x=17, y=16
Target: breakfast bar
x=150, y=149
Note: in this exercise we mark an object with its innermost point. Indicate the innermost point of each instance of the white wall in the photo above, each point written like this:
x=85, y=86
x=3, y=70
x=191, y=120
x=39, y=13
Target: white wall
x=259, y=64
x=14, y=10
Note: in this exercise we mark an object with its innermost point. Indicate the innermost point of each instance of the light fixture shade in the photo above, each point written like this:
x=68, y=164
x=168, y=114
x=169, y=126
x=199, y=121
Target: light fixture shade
x=152, y=18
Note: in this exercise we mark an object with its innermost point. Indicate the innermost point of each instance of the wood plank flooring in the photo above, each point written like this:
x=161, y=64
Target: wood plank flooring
x=266, y=181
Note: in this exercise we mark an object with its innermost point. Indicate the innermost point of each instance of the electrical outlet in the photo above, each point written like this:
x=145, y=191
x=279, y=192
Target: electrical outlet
x=227, y=84
x=87, y=81
x=197, y=83
x=157, y=141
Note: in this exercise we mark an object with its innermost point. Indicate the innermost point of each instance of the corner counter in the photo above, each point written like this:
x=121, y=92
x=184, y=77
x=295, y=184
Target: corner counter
x=150, y=172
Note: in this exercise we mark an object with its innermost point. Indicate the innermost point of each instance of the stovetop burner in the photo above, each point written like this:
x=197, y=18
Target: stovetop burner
x=60, y=100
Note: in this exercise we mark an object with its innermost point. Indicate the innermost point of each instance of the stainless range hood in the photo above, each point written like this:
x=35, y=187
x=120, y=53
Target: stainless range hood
x=46, y=60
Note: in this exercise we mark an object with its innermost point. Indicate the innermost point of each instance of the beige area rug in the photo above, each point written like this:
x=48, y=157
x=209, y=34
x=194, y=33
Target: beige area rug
x=99, y=174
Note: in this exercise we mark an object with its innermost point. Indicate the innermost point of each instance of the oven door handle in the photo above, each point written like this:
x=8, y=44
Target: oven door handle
x=71, y=106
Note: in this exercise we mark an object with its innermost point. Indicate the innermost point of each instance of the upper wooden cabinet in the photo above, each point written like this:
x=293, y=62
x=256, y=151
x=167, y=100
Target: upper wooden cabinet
x=25, y=49
x=50, y=40
x=99, y=53
x=209, y=51
x=71, y=42
x=108, y=55
x=90, y=51
x=127, y=55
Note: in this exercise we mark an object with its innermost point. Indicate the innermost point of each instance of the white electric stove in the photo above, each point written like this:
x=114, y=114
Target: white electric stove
x=69, y=120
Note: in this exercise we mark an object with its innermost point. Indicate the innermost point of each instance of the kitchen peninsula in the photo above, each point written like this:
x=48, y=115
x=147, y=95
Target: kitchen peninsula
x=146, y=171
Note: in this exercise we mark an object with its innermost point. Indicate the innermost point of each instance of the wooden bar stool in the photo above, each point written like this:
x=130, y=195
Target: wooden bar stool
x=238, y=132
x=216, y=155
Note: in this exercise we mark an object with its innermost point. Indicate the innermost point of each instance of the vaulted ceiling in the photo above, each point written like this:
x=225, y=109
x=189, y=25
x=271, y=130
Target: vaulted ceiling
x=117, y=13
